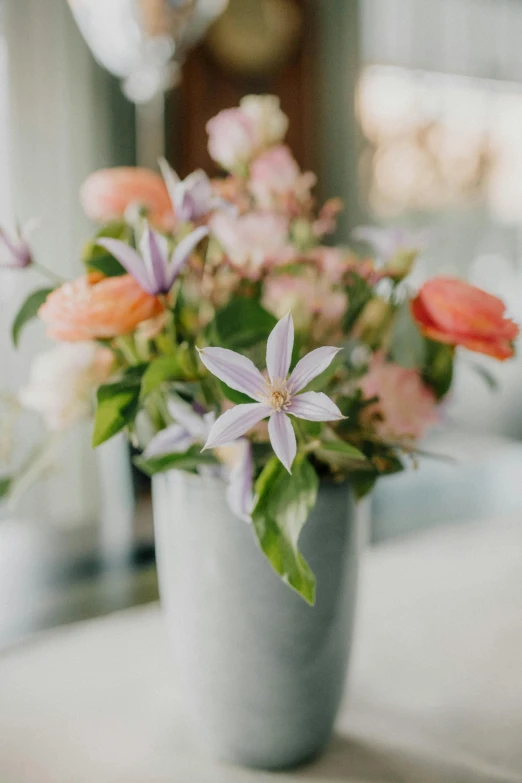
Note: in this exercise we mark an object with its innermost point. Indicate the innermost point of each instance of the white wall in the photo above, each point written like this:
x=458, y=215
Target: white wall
x=59, y=117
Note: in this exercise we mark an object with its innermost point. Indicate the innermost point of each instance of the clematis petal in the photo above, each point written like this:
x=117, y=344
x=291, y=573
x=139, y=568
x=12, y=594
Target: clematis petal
x=279, y=348
x=282, y=438
x=314, y=406
x=130, y=261
x=310, y=366
x=172, y=440
x=154, y=250
x=171, y=180
x=190, y=420
x=183, y=252
x=235, y=370
x=240, y=494
x=235, y=422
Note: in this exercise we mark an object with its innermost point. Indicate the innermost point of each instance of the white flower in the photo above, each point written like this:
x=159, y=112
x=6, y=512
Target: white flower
x=270, y=122
x=63, y=381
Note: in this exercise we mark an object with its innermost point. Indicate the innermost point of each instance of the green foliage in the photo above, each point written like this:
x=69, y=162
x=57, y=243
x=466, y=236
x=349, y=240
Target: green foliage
x=160, y=370
x=341, y=449
x=5, y=486
x=189, y=460
x=117, y=407
x=407, y=346
x=97, y=259
x=28, y=311
x=283, y=504
x=242, y=324
x=438, y=367
x=359, y=294
x=363, y=483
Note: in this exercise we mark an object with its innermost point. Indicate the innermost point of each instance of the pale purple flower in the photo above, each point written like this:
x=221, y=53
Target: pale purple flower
x=276, y=395
x=193, y=197
x=152, y=267
x=191, y=428
x=388, y=242
x=15, y=251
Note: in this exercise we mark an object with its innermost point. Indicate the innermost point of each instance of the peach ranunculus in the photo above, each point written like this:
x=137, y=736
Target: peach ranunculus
x=253, y=241
x=406, y=407
x=95, y=307
x=276, y=179
x=107, y=195
x=452, y=311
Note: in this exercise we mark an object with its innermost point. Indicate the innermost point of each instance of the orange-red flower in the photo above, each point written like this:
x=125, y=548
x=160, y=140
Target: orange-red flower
x=108, y=193
x=452, y=311
x=97, y=307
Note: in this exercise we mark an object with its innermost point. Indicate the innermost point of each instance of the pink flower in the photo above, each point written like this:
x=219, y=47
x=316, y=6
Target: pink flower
x=333, y=262
x=107, y=195
x=232, y=138
x=275, y=176
x=406, y=407
x=326, y=223
x=238, y=135
x=253, y=241
x=315, y=304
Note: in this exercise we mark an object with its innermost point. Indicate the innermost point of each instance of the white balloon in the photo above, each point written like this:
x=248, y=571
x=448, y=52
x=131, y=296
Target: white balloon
x=144, y=42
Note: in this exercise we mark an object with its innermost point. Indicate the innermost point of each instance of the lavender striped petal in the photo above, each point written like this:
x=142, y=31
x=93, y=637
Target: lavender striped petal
x=282, y=438
x=235, y=422
x=191, y=421
x=279, y=348
x=235, y=370
x=183, y=252
x=314, y=406
x=240, y=496
x=310, y=366
x=130, y=261
x=172, y=440
x=171, y=180
x=154, y=250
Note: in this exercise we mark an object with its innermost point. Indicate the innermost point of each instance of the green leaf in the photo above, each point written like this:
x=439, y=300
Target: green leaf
x=28, y=311
x=189, y=460
x=438, y=368
x=283, y=504
x=97, y=259
x=362, y=484
x=359, y=294
x=237, y=397
x=343, y=448
x=243, y=323
x=117, y=406
x=407, y=347
x=5, y=486
x=160, y=370
x=107, y=265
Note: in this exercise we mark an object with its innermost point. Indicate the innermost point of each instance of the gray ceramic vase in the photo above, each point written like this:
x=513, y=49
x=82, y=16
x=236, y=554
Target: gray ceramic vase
x=262, y=673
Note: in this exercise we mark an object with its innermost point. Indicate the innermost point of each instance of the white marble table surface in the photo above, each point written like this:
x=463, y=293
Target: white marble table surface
x=435, y=690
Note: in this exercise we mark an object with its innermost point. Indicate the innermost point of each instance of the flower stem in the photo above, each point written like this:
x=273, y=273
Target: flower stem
x=125, y=344
x=48, y=273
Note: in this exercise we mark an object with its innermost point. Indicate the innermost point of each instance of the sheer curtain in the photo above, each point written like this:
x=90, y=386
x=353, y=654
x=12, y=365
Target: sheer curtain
x=60, y=113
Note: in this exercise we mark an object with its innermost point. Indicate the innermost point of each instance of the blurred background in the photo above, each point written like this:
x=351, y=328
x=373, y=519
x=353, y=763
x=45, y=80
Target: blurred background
x=409, y=110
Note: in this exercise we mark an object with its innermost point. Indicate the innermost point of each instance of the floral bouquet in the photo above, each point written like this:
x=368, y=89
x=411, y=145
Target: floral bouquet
x=214, y=325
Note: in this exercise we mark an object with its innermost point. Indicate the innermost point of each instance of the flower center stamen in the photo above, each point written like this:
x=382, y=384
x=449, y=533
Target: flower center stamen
x=277, y=395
